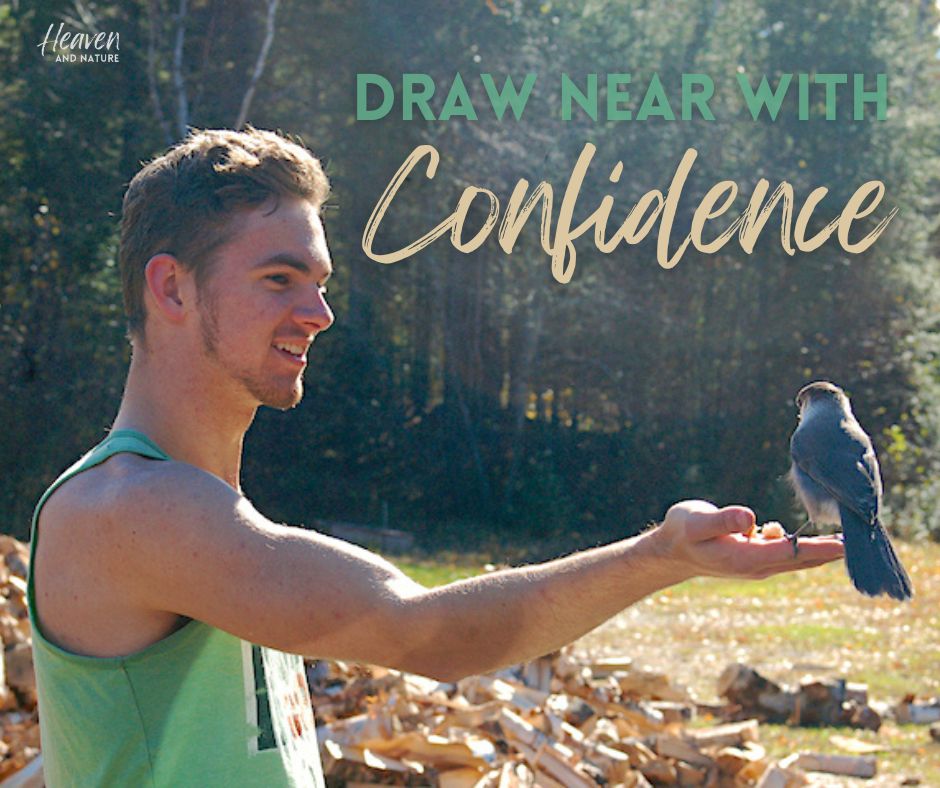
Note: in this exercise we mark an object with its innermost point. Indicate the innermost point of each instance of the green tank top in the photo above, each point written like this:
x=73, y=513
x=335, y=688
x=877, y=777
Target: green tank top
x=198, y=708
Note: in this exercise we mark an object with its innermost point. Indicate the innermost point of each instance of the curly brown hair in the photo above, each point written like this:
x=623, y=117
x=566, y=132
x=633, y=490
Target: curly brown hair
x=181, y=202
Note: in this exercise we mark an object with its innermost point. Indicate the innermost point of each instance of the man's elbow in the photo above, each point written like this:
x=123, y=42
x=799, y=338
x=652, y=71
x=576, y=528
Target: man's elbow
x=420, y=644
x=446, y=671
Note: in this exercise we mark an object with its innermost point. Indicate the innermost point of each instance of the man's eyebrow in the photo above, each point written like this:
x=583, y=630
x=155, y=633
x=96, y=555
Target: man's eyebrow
x=285, y=259
x=292, y=262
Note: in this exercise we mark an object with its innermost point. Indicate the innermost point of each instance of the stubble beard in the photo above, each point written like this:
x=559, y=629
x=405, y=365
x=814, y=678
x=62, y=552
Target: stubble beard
x=259, y=387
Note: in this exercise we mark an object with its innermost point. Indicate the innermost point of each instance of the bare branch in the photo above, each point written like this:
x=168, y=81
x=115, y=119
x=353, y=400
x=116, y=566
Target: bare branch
x=84, y=18
x=152, y=73
x=208, y=39
x=182, y=103
x=259, y=64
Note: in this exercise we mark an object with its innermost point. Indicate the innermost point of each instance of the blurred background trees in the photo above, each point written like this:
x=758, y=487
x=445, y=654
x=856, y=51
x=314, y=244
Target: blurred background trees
x=472, y=396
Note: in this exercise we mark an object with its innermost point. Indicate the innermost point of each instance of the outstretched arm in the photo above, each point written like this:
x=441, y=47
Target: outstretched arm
x=506, y=617
x=201, y=550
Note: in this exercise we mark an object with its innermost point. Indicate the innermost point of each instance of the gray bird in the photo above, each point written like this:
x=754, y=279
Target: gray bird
x=836, y=477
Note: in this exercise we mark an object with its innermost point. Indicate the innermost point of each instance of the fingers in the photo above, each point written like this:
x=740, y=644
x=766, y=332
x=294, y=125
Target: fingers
x=822, y=550
x=765, y=558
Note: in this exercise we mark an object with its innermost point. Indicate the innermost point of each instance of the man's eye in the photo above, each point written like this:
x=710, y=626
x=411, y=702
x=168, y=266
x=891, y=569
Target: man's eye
x=279, y=279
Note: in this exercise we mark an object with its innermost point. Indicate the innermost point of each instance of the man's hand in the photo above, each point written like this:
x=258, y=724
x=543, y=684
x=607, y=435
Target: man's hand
x=698, y=538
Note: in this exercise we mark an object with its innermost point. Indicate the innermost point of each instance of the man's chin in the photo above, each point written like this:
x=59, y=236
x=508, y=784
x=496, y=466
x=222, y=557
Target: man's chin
x=282, y=406
x=280, y=400
x=283, y=403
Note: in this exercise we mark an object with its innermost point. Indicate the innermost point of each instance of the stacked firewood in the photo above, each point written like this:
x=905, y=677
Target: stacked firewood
x=19, y=724
x=554, y=722
x=814, y=701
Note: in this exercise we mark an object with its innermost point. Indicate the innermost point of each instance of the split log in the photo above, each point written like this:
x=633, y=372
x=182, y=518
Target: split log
x=669, y=746
x=538, y=673
x=649, y=685
x=29, y=776
x=643, y=718
x=745, y=687
x=690, y=775
x=660, y=772
x=846, y=765
x=523, y=698
x=20, y=673
x=781, y=777
x=515, y=775
x=747, y=762
x=543, y=754
x=333, y=754
x=674, y=711
x=638, y=752
x=575, y=711
x=436, y=751
x=551, y=769
x=732, y=734
x=361, y=730
x=470, y=717
x=917, y=713
x=459, y=778
x=602, y=668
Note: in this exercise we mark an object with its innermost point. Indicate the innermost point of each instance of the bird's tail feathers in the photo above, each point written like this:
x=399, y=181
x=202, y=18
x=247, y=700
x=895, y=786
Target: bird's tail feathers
x=872, y=563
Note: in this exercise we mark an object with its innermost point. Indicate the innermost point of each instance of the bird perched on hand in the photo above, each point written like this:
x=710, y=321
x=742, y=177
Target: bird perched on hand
x=836, y=477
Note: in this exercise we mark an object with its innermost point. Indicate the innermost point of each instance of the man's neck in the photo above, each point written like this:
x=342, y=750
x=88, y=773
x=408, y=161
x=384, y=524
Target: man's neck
x=191, y=419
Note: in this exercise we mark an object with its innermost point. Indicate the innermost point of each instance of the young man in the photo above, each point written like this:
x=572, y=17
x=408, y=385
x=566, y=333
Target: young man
x=152, y=574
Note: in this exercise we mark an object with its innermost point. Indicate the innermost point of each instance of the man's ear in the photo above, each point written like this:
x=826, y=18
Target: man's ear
x=169, y=287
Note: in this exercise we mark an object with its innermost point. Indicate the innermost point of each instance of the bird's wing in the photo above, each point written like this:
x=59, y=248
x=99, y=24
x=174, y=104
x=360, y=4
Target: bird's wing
x=840, y=458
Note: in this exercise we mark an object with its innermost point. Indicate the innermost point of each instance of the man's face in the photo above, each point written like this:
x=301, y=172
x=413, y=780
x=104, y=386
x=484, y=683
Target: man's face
x=264, y=303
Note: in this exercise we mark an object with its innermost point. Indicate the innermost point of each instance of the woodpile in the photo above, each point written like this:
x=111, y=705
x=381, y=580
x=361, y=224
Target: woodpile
x=19, y=723
x=557, y=721
x=815, y=701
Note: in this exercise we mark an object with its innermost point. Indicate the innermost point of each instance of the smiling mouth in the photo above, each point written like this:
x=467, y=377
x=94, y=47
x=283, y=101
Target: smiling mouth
x=296, y=351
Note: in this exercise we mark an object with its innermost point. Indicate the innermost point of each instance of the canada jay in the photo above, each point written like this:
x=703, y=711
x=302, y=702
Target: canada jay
x=836, y=477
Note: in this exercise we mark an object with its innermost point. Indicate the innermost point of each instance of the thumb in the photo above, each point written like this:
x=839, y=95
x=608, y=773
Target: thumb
x=704, y=525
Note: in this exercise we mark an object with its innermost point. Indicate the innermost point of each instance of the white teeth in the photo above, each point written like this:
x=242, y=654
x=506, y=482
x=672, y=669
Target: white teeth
x=293, y=349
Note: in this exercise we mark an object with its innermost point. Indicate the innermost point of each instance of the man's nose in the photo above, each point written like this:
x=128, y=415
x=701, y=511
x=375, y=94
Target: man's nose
x=315, y=312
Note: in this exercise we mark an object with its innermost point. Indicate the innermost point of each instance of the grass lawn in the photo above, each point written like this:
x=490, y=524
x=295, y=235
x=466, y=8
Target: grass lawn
x=786, y=627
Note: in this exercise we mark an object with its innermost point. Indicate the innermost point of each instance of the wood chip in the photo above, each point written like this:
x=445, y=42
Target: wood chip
x=729, y=734
x=847, y=765
x=679, y=749
x=857, y=746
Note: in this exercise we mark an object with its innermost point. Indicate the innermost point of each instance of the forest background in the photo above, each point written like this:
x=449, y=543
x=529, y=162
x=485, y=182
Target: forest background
x=471, y=398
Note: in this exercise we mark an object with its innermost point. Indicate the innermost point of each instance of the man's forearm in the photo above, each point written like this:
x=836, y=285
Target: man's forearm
x=498, y=619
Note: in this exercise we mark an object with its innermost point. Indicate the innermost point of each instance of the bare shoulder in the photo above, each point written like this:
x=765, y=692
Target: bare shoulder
x=108, y=541
x=125, y=492
x=132, y=548
x=131, y=513
x=83, y=551
x=84, y=509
